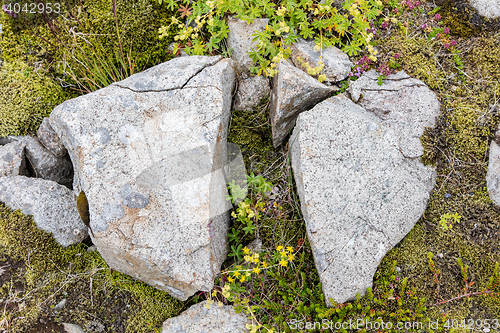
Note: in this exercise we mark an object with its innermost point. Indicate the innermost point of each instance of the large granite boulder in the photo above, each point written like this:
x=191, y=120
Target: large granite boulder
x=202, y=318
x=148, y=153
x=493, y=174
x=336, y=63
x=293, y=92
x=359, y=193
x=53, y=206
x=12, y=159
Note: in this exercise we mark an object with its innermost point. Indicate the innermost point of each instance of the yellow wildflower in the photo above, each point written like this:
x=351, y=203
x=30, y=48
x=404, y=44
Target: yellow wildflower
x=214, y=293
x=279, y=248
x=236, y=273
x=256, y=270
x=246, y=250
x=291, y=257
x=290, y=249
x=242, y=279
x=283, y=263
x=283, y=253
x=220, y=304
x=230, y=279
x=247, y=258
x=264, y=264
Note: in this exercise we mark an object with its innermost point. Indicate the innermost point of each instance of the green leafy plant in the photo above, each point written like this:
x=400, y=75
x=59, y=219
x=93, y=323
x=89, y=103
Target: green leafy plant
x=205, y=28
x=447, y=221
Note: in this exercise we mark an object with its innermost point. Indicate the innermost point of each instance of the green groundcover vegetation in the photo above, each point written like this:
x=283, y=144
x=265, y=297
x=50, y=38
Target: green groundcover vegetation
x=443, y=275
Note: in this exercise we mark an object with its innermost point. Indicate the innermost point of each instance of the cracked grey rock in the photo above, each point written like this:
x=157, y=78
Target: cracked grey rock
x=293, y=92
x=250, y=91
x=493, y=174
x=405, y=103
x=149, y=152
x=337, y=63
x=49, y=139
x=359, y=194
x=239, y=41
x=12, y=160
x=47, y=166
x=487, y=8
x=53, y=206
x=199, y=319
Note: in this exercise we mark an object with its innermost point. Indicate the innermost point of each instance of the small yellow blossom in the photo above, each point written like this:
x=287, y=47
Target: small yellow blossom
x=283, y=253
x=247, y=258
x=236, y=273
x=246, y=250
x=372, y=58
x=394, y=20
x=242, y=279
x=214, y=293
x=264, y=264
x=230, y=279
x=289, y=249
x=279, y=248
x=256, y=260
x=291, y=257
x=256, y=270
x=283, y=263
x=220, y=304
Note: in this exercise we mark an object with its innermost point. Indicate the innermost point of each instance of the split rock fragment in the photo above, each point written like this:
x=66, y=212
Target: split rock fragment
x=12, y=159
x=53, y=206
x=293, y=92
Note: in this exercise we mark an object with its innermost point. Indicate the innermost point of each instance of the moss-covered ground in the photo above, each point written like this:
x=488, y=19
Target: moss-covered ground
x=424, y=278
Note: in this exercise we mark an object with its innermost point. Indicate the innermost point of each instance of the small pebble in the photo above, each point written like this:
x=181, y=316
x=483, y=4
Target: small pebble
x=447, y=195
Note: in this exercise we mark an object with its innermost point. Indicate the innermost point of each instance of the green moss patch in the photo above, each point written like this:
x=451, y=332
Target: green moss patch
x=26, y=96
x=46, y=273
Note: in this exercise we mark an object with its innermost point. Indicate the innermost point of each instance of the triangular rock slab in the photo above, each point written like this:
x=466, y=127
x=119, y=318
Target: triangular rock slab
x=293, y=92
x=147, y=152
x=493, y=174
x=214, y=319
x=53, y=206
x=359, y=195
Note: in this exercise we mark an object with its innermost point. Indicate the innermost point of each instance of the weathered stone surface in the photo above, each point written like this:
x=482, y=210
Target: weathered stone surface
x=404, y=103
x=8, y=139
x=493, y=174
x=49, y=139
x=148, y=153
x=12, y=160
x=487, y=8
x=47, y=166
x=359, y=194
x=72, y=328
x=239, y=40
x=250, y=91
x=337, y=63
x=53, y=206
x=199, y=319
x=293, y=92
